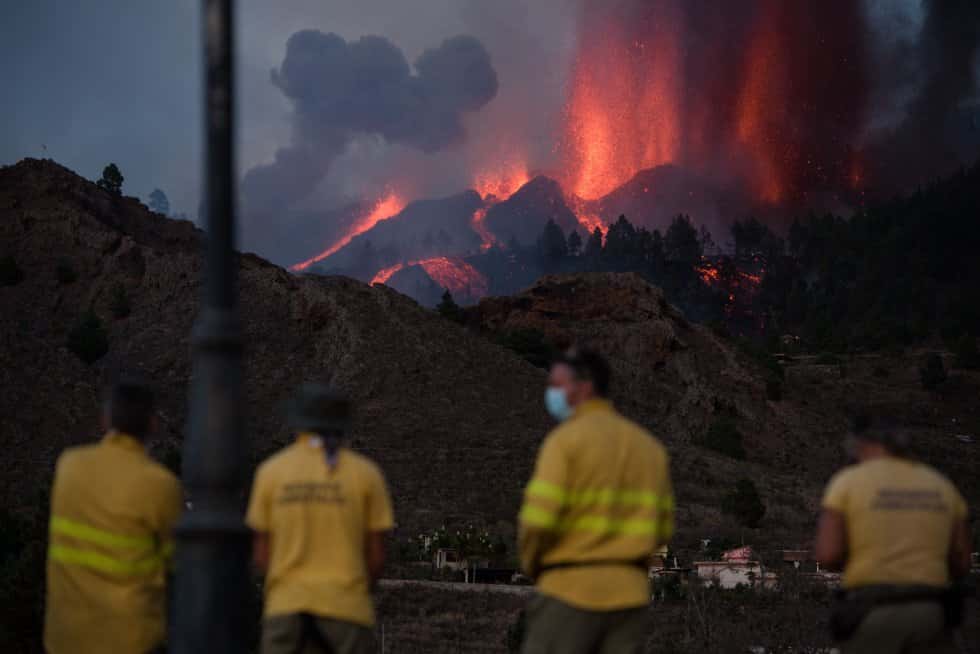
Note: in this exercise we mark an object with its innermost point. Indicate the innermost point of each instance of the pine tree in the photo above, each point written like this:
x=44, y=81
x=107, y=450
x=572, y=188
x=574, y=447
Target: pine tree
x=111, y=180
x=448, y=308
x=552, y=245
x=159, y=203
x=593, y=249
x=574, y=243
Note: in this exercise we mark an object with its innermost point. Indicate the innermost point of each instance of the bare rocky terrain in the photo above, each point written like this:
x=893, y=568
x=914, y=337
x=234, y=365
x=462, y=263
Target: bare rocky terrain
x=453, y=418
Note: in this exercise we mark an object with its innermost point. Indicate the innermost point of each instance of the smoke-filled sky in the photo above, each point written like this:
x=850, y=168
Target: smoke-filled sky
x=94, y=82
x=112, y=80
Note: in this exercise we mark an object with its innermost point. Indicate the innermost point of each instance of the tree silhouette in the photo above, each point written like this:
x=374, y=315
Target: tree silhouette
x=159, y=202
x=593, y=249
x=574, y=243
x=681, y=243
x=111, y=180
x=448, y=308
x=552, y=244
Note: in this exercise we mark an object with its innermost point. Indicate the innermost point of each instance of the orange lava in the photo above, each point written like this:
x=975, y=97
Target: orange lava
x=709, y=274
x=760, y=104
x=624, y=112
x=454, y=274
x=503, y=182
x=496, y=186
x=386, y=207
x=487, y=239
x=385, y=274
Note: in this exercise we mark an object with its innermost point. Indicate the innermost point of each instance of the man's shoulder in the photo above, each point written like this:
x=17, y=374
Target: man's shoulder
x=278, y=460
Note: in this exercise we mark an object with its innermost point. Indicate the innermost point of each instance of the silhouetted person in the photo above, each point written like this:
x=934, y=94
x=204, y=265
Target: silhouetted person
x=320, y=512
x=898, y=529
x=112, y=512
x=597, y=508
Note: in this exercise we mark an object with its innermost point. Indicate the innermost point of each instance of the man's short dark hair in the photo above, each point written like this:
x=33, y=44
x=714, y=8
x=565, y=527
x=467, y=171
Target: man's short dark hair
x=130, y=407
x=883, y=429
x=589, y=365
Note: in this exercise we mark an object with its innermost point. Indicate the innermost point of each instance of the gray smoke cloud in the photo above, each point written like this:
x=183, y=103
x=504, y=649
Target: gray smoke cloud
x=939, y=131
x=342, y=90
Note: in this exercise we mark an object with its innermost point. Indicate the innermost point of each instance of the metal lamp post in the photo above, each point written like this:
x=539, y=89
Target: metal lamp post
x=212, y=582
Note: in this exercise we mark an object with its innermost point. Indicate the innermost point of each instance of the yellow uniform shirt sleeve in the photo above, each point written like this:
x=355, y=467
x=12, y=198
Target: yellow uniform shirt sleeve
x=379, y=515
x=665, y=506
x=544, y=498
x=836, y=495
x=258, y=516
x=169, y=507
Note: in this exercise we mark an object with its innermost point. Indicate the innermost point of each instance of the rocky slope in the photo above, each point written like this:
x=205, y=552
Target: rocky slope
x=452, y=418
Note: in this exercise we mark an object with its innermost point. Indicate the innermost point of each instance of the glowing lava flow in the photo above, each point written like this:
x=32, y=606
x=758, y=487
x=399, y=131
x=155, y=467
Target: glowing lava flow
x=385, y=274
x=386, y=207
x=493, y=188
x=454, y=274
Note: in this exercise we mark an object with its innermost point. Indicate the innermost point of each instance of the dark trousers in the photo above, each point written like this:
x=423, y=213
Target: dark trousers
x=902, y=629
x=302, y=633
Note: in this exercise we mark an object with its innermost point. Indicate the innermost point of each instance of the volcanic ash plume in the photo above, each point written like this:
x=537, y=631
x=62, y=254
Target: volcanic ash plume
x=940, y=131
x=366, y=87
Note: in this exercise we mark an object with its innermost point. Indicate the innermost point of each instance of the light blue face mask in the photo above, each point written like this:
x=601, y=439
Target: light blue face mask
x=556, y=402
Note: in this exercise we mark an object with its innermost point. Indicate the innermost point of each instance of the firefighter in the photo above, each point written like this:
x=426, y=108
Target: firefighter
x=898, y=530
x=112, y=514
x=596, y=509
x=320, y=512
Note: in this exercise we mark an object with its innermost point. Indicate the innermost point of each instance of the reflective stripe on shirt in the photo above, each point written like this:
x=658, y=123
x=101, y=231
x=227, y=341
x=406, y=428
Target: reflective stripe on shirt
x=598, y=496
x=61, y=526
x=102, y=562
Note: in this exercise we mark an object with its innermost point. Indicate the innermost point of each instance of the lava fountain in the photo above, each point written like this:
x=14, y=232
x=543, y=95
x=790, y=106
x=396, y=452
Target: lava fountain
x=767, y=94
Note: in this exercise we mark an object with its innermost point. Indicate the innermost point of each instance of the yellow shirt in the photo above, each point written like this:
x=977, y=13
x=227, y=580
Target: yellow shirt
x=601, y=491
x=900, y=516
x=318, y=519
x=112, y=512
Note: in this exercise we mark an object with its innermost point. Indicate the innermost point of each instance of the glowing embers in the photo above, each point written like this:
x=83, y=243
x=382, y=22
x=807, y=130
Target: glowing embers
x=387, y=206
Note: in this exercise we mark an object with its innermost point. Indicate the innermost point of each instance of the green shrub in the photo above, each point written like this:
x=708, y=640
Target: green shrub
x=64, y=273
x=744, y=504
x=723, y=437
x=119, y=305
x=530, y=344
x=933, y=372
x=10, y=272
x=88, y=339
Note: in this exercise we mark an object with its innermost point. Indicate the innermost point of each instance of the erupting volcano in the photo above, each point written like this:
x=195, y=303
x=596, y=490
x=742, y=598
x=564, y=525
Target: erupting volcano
x=712, y=110
x=766, y=93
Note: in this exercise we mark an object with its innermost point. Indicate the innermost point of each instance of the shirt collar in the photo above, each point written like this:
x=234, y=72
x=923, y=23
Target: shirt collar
x=595, y=405
x=123, y=440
